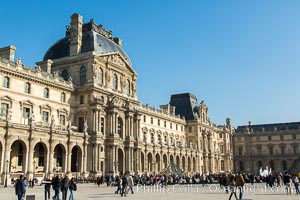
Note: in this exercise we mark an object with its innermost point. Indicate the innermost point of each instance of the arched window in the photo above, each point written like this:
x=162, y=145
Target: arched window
x=222, y=165
x=120, y=127
x=6, y=82
x=272, y=165
x=100, y=76
x=27, y=88
x=65, y=75
x=241, y=166
x=127, y=87
x=46, y=93
x=63, y=97
x=284, y=165
x=115, y=82
x=41, y=155
x=259, y=164
x=82, y=75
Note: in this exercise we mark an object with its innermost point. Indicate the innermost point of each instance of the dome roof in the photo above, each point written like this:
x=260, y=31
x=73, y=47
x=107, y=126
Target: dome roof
x=94, y=38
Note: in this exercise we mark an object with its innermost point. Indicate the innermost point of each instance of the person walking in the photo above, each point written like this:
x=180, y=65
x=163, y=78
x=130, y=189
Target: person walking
x=56, y=187
x=130, y=183
x=19, y=188
x=47, y=182
x=72, y=188
x=118, y=184
x=240, y=182
x=65, y=184
x=232, y=186
x=124, y=185
x=287, y=183
x=296, y=183
x=25, y=182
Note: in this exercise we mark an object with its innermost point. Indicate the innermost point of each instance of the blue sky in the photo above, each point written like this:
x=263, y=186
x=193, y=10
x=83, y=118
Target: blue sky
x=241, y=57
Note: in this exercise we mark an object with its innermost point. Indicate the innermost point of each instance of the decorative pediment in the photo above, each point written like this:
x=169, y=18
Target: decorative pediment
x=45, y=107
x=26, y=103
x=6, y=98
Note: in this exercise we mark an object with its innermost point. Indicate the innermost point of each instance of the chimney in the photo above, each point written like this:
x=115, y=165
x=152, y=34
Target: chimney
x=118, y=41
x=76, y=34
x=45, y=65
x=8, y=52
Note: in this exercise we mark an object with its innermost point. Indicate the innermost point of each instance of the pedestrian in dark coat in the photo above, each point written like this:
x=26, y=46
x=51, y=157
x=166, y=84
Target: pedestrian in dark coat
x=19, y=188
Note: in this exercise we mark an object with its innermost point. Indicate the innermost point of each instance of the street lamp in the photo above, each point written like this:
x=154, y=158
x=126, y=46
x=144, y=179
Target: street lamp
x=5, y=182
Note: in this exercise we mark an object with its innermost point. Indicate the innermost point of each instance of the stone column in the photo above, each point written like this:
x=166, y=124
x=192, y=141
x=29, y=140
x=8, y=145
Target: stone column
x=84, y=163
x=94, y=121
x=30, y=159
x=69, y=156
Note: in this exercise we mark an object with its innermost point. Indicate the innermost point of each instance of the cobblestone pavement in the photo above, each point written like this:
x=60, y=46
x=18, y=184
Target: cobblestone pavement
x=187, y=192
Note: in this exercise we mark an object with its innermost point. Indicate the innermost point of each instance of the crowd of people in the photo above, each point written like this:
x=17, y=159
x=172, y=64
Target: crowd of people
x=58, y=184
x=232, y=183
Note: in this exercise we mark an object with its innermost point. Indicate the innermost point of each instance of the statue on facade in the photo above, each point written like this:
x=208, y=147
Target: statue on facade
x=133, y=87
x=123, y=83
x=52, y=124
x=107, y=76
x=85, y=126
x=31, y=118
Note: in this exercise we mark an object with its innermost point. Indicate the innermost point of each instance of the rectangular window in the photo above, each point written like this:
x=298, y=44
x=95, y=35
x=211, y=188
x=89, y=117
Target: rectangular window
x=81, y=101
x=27, y=88
x=151, y=120
x=295, y=149
x=221, y=148
x=170, y=125
x=80, y=124
x=271, y=150
x=281, y=137
x=181, y=128
x=176, y=127
x=222, y=165
x=25, y=115
x=294, y=137
x=259, y=150
x=46, y=93
x=62, y=119
x=4, y=109
x=282, y=150
x=144, y=118
x=240, y=151
x=190, y=129
x=102, y=125
x=63, y=97
x=6, y=82
x=165, y=124
x=270, y=138
x=158, y=122
x=221, y=135
x=45, y=116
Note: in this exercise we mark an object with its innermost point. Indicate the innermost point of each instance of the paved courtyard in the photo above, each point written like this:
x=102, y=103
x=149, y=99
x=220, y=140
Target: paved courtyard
x=188, y=192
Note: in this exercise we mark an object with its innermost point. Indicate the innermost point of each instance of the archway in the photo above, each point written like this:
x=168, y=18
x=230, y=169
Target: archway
x=157, y=167
x=284, y=165
x=120, y=161
x=18, y=157
x=150, y=168
x=40, y=157
x=183, y=164
x=194, y=164
x=189, y=164
x=272, y=165
x=76, y=158
x=59, y=158
x=171, y=159
x=165, y=161
x=142, y=162
x=177, y=161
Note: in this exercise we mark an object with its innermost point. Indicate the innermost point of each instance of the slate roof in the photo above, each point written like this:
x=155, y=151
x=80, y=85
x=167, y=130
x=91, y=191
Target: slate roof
x=91, y=41
x=185, y=104
x=270, y=127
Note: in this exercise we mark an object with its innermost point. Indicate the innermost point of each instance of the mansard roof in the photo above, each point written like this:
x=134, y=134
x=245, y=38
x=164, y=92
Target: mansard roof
x=94, y=38
x=185, y=104
x=270, y=127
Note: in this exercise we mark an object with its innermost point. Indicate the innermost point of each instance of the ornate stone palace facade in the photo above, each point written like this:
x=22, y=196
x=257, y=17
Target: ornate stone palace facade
x=77, y=112
x=275, y=146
